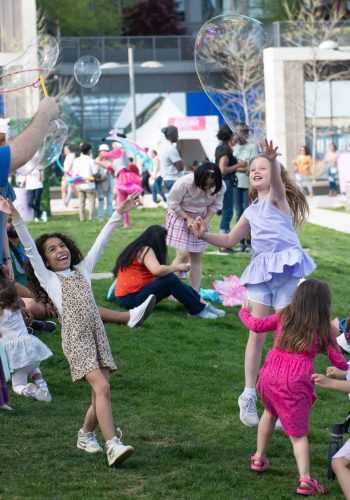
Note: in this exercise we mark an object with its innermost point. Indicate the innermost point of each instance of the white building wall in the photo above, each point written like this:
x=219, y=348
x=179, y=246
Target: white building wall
x=17, y=28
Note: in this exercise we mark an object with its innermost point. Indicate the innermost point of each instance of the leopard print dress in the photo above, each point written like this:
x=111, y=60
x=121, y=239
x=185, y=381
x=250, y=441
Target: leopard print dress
x=84, y=340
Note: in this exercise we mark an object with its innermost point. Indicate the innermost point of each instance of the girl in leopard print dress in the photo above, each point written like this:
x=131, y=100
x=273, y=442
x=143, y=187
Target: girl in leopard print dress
x=65, y=276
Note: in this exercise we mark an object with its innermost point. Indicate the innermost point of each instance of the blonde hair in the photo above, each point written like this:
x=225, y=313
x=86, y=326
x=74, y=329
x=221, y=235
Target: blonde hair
x=295, y=197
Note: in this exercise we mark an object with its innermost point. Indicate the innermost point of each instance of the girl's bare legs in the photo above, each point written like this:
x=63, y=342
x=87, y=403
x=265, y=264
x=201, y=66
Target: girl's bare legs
x=265, y=431
x=341, y=467
x=101, y=413
x=254, y=347
x=109, y=316
x=302, y=457
x=91, y=422
x=196, y=270
x=182, y=257
x=247, y=400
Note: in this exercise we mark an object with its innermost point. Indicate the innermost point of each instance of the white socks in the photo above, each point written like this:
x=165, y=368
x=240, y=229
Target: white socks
x=249, y=391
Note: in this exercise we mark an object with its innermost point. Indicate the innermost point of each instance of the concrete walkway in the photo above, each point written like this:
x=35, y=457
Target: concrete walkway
x=319, y=215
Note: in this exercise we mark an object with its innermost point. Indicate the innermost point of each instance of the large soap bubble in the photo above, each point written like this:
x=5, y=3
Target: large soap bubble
x=53, y=144
x=37, y=60
x=229, y=64
x=87, y=71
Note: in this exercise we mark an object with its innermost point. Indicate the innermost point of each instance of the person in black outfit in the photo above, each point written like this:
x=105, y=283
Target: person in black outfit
x=228, y=165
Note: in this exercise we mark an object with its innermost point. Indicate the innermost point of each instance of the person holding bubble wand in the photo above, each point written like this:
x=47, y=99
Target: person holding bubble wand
x=277, y=208
x=65, y=276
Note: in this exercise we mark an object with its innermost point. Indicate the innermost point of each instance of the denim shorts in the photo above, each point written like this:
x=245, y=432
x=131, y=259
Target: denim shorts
x=276, y=293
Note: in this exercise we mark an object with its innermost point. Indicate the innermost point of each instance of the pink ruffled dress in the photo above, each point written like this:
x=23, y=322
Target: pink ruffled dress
x=284, y=384
x=276, y=247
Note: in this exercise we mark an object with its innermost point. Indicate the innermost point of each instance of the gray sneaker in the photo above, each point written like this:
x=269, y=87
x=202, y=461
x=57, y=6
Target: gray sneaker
x=214, y=310
x=204, y=314
x=247, y=410
x=116, y=451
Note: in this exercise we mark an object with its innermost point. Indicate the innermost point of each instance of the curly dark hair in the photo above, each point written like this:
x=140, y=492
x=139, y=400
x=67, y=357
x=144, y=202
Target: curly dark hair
x=33, y=282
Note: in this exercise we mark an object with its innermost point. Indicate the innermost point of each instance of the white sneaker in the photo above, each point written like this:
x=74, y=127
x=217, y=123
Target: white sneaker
x=218, y=312
x=140, y=313
x=29, y=391
x=36, y=219
x=42, y=393
x=116, y=451
x=87, y=441
x=247, y=410
x=205, y=314
x=44, y=216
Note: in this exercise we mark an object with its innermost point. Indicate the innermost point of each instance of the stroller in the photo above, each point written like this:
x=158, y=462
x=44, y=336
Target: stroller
x=336, y=441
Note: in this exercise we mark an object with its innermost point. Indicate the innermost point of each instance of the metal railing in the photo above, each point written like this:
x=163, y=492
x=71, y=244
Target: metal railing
x=300, y=34
x=146, y=48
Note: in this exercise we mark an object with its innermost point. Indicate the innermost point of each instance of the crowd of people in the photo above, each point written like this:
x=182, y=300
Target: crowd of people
x=49, y=278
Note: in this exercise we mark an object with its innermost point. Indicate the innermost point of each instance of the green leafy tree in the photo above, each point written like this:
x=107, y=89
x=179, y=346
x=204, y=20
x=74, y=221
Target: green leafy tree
x=83, y=17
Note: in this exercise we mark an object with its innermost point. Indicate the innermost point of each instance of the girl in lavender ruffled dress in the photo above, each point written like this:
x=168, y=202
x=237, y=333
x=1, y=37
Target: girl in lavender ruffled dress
x=277, y=207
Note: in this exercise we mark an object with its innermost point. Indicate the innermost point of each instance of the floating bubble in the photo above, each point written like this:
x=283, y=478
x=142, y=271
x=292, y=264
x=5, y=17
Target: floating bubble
x=28, y=167
x=229, y=65
x=87, y=71
x=53, y=144
x=39, y=58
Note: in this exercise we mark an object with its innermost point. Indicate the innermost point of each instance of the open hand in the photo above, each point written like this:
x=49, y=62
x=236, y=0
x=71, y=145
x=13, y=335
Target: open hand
x=198, y=227
x=7, y=207
x=321, y=380
x=131, y=201
x=268, y=151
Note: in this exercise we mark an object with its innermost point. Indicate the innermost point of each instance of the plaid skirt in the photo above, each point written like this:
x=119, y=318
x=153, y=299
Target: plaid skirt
x=179, y=236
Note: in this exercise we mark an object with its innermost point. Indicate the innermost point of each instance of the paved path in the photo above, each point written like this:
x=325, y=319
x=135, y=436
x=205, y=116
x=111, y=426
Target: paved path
x=319, y=215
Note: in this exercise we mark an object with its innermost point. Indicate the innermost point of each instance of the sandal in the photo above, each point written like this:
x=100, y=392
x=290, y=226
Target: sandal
x=264, y=463
x=315, y=487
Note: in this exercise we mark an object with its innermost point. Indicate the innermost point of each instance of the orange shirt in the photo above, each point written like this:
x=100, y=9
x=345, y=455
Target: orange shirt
x=132, y=279
x=304, y=164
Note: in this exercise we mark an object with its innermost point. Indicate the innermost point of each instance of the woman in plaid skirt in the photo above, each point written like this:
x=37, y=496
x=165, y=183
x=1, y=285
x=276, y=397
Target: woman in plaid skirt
x=198, y=194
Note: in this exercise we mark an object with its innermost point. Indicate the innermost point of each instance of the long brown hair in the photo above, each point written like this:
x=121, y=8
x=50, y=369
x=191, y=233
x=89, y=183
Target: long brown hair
x=308, y=315
x=296, y=199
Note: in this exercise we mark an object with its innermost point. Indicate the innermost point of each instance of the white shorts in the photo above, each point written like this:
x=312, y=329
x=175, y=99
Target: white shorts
x=276, y=293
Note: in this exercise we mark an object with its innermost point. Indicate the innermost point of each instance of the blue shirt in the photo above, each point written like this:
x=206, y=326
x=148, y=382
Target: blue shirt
x=6, y=191
x=5, y=157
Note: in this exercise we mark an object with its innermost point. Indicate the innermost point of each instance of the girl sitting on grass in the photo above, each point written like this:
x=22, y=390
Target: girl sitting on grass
x=65, y=276
x=24, y=352
x=303, y=329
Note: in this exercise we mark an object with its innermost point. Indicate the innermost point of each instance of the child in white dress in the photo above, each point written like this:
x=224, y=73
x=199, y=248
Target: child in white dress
x=24, y=352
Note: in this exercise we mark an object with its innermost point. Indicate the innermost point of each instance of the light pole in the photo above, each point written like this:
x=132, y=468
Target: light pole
x=131, y=68
x=132, y=91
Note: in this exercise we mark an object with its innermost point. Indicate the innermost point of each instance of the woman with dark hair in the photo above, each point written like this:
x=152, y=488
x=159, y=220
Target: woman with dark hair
x=141, y=270
x=198, y=194
x=228, y=165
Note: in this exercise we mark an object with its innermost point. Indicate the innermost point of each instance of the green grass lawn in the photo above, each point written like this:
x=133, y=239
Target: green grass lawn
x=174, y=395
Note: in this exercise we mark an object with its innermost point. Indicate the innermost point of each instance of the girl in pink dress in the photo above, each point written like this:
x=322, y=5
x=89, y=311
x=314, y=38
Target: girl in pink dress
x=303, y=329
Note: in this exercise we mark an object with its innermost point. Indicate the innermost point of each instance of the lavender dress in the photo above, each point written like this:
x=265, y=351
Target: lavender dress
x=276, y=247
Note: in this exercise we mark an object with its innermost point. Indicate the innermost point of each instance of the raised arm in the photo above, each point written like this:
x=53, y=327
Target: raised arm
x=277, y=193
x=27, y=143
x=105, y=235
x=258, y=325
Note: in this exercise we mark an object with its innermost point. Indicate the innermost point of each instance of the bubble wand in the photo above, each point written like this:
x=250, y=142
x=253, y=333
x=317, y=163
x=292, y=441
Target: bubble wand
x=43, y=86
